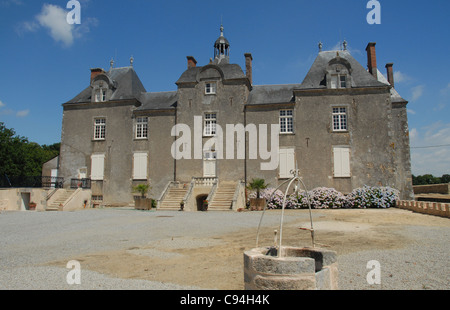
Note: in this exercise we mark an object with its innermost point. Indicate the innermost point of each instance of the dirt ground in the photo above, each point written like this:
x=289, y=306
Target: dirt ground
x=218, y=262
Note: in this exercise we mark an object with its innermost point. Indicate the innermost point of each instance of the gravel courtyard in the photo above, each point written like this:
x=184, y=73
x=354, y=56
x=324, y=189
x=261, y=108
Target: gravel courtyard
x=122, y=248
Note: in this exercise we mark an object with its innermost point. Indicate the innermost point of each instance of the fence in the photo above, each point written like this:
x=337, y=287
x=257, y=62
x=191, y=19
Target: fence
x=425, y=207
x=30, y=182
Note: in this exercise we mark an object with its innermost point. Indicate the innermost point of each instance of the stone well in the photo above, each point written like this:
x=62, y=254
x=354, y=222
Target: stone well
x=295, y=269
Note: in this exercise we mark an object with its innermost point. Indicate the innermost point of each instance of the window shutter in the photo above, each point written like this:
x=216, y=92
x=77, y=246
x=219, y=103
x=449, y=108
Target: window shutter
x=342, y=162
x=97, y=167
x=140, y=166
x=287, y=162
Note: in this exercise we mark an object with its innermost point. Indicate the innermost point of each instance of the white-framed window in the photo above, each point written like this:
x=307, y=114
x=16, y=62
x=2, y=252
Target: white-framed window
x=338, y=81
x=140, y=160
x=210, y=88
x=341, y=155
x=287, y=162
x=97, y=167
x=210, y=124
x=100, y=129
x=100, y=95
x=340, y=119
x=141, y=127
x=286, y=121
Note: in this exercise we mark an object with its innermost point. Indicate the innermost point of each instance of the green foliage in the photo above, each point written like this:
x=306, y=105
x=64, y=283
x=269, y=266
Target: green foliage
x=428, y=179
x=20, y=157
x=258, y=185
x=142, y=189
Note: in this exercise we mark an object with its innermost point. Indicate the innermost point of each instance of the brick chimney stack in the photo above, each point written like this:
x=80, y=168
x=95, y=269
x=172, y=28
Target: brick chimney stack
x=372, y=59
x=95, y=72
x=390, y=73
x=192, y=63
x=248, y=67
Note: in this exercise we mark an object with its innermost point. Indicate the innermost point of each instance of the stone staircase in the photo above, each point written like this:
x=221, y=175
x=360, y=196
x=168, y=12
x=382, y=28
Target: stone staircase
x=223, y=198
x=173, y=198
x=59, y=197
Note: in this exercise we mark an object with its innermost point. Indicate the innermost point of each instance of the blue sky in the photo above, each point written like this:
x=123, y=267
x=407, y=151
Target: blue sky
x=45, y=62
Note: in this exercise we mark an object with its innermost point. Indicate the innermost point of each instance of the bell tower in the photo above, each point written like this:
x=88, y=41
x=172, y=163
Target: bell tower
x=221, y=49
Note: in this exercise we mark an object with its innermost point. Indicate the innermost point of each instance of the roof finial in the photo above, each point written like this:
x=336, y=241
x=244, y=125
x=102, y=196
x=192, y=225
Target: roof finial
x=320, y=46
x=345, y=45
x=131, y=61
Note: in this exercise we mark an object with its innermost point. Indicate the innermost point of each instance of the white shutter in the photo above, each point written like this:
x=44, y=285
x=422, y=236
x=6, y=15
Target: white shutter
x=140, y=166
x=97, y=167
x=341, y=162
x=287, y=162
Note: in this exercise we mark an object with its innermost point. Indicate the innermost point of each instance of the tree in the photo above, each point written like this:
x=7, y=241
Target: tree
x=20, y=157
x=445, y=178
x=258, y=185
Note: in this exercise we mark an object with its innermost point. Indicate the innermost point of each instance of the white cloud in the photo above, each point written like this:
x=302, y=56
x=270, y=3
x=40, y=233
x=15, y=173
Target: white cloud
x=430, y=153
x=400, y=77
x=411, y=112
x=2, y=104
x=446, y=90
x=54, y=18
x=23, y=113
x=417, y=92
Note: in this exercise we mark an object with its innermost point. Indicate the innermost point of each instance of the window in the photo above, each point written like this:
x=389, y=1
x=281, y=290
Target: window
x=210, y=124
x=97, y=167
x=100, y=129
x=100, y=95
x=287, y=163
x=210, y=88
x=140, y=166
x=341, y=162
x=340, y=119
x=338, y=81
x=141, y=127
x=286, y=121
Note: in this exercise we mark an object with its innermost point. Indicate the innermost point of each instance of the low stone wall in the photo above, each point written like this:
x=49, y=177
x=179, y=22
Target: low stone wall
x=425, y=207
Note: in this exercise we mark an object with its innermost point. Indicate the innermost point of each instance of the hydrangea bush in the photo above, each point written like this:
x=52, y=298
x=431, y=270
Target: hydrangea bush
x=373, y=197
x=329, y=198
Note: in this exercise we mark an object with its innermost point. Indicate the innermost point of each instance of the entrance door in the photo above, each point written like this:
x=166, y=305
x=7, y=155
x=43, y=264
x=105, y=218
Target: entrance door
x=209, y=164
x=26, y=199
x=54, y=179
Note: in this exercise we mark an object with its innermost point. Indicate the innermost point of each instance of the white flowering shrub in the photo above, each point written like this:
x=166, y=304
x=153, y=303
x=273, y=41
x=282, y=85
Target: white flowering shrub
x=373, y=197
x=329, y=198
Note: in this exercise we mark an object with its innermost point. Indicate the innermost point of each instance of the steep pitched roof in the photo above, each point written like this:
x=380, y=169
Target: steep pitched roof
x=395, y=96
x=360, y=76
x=271, y=94
x=158, y=100
x=126, y=82
x=230, y=72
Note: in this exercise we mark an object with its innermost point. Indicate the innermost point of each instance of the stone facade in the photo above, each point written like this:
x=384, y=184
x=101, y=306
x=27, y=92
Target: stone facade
x=343, y=127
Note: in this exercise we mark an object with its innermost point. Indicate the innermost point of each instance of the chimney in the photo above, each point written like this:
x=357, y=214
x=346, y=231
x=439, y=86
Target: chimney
x=95, y=72
x=372, y=59
x=248, y=67
x=390, y=73
x=192, y=63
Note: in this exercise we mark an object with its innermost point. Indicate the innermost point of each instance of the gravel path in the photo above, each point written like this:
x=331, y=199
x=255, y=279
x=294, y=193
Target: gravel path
x=28, y=240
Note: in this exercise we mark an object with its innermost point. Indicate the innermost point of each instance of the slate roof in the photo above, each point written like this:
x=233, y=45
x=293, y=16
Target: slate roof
x=127, y=83
x=360, y=76
x=271, y=94
x=158, y=100
x=395, y=96
x=230, y=72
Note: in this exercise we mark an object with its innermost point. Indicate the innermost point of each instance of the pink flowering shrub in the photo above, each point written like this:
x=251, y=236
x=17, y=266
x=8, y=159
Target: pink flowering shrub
x=329, y=198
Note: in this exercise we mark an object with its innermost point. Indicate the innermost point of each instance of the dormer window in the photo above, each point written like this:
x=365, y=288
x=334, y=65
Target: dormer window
x=338, y=81
x=100, y=95
x=210, y=88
